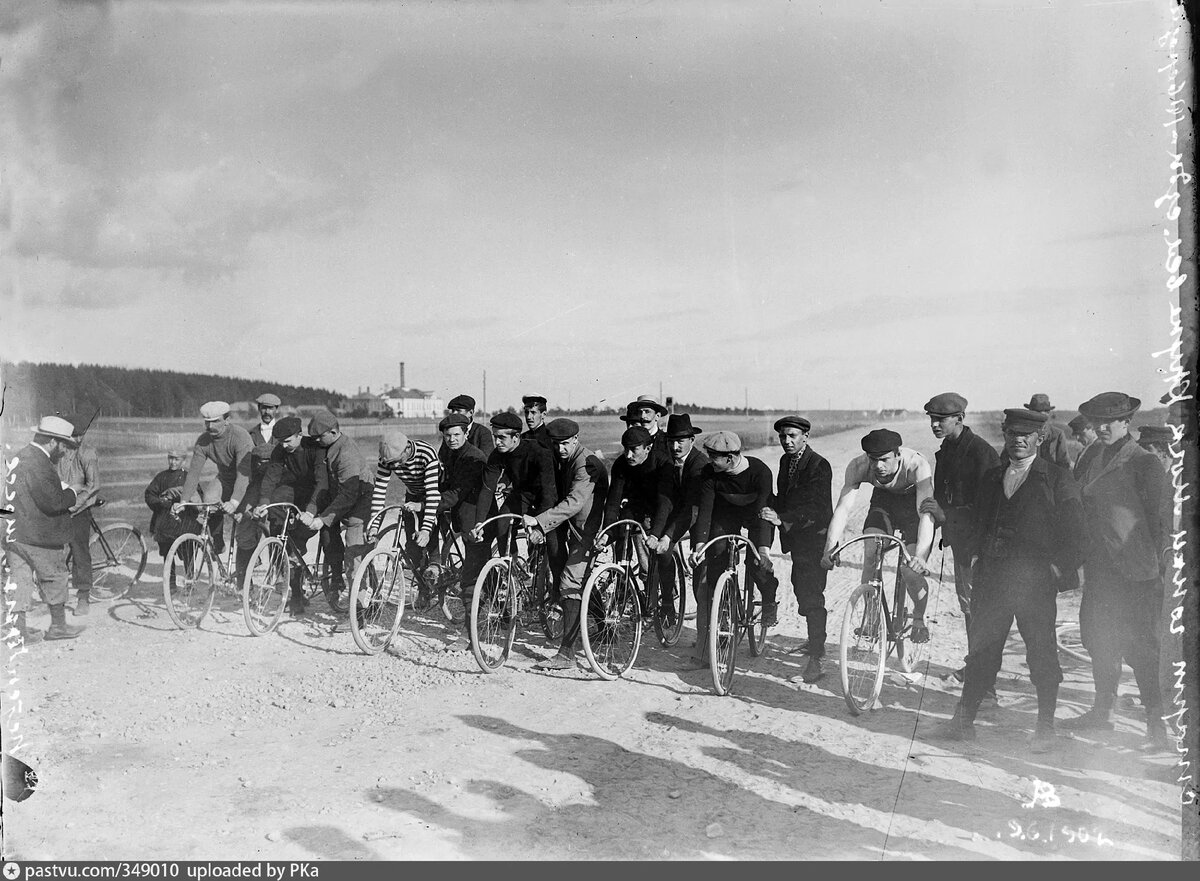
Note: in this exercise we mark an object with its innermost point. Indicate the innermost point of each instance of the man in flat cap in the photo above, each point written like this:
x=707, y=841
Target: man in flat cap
x=462, y=466
x=348, y=504
x=268, y=414
x=1026, y=532
x=79, y=468
x=646, y=411
x=581, y=484
x=535, y=419
x=901, y=481
x=959, y=466
x=801, y=510
x=734, y=490
x=159, y=494
x=296, y=472
x=633, y=487
x=1127, y=528
x=1054, y=446
x=229, y=447
x=478, y=434
x=1084, y=434
x=41, y=528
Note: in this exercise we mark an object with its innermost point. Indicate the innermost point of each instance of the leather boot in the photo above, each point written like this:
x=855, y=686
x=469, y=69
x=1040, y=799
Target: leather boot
x=958, y=728
x=82, y=603
x=59, y=628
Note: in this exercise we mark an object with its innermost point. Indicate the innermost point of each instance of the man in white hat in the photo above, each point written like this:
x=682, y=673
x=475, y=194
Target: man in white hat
x=42, y=528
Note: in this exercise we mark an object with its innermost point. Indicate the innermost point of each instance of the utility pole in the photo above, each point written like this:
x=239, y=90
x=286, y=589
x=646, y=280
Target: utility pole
x=485, y=391
x=746, y=403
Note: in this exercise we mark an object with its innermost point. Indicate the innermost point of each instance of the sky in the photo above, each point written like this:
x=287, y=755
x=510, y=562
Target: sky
x=794, y=205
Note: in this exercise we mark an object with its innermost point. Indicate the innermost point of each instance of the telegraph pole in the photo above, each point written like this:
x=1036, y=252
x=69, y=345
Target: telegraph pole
x=485, y=391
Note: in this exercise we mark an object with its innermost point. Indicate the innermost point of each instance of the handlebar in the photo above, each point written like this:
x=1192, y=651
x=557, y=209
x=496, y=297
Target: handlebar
x=209, y=505
x=736, y=539
x=870, y=536
x=375, y=522
x=498, y=517
x=625, y=522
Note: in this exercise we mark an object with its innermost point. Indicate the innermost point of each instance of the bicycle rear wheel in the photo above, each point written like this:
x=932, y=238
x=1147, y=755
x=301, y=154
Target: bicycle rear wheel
x=493, y=615
x=668, y=602
x=453, y=609
x=756, y=630
x=909, y=655
x=1070, y=642
x=377, y=599
x=265, y=589
x=723, y=632
x=612, y=629
x=189, y=581
x=862, y=650
x=550, y=610
x=118, y=560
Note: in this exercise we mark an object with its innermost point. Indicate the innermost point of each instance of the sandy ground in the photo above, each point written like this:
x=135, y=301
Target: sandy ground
x=154, y=743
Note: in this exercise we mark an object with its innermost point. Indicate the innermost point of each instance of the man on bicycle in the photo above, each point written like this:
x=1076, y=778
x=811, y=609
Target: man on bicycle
x=633, y=486
x=296, y=473
x=416, y=464
x=581, y=483
x=478, y=434
x=734, y=490
x=901, y=482
x=535, y=419
x=678, y=495
x=462, y=469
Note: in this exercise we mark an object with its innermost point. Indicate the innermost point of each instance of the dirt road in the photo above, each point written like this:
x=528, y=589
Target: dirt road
x=154, y=743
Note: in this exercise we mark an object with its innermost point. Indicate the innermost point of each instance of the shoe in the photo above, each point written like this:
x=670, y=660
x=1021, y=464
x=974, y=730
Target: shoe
x=919, y=633
x=1044, y=740
x=556, y=662
x=1156, y=734
x=63, y=631
x=82, y=605
x=956, y=729
x=812, y=670
x=1092, y=720
x=990, y=699
x=770, y=614
x=959, y=675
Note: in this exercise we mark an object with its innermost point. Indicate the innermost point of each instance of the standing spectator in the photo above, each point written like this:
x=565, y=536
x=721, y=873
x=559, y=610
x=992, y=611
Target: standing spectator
x=478, y=434
x=268, y=414
x=647, y=412
x=1084, y=434
x=1053, y=447
x=79, y=469
x=37, y=544
x=160, y=493
x=1158, y=439
x=1127, y=530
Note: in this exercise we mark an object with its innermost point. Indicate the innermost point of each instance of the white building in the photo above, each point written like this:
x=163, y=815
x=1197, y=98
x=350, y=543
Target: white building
x=412, y=403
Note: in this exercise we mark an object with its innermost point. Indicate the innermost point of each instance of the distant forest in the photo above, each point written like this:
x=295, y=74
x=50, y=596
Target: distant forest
x=34, y=390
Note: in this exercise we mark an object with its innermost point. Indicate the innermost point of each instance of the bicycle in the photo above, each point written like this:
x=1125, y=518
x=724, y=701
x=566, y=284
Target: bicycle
x=190, y=563
x=668, y=608
x=509, y=590
x=868, y=622
x=118, y=554
x=268, y=580
x=734, y=612
x=613, y=600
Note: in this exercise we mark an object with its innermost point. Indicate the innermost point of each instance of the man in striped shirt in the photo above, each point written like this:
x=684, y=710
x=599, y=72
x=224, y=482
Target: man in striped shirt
x=416, y=464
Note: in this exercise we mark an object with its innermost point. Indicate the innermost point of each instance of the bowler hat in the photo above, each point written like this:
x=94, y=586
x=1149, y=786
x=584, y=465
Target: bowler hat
x=680, y=425
x=461, y=402
x=286, y=427
x=321, y=422
x=1149, y=434
x=1107, y=406
x=793, y=422
x=946, y=404
x=1040, y=403
x=723, y=442
x=1023, y=420
x=452, y=420
x=1079, y=423
x=268, y=400
x=880, y=442
x=507, y=420
x=532, y=400
x=214, y=410
x=636, y=436
x=56, y=427
x=562, y=429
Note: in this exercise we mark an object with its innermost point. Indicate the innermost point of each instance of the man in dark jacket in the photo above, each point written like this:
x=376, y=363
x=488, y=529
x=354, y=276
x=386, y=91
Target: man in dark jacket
x=159, y=494
x=633, y=485
x=1128, y=527
x=1054, y=447
x=461, y=476
x=535, y=418
x=1027, y=531
x=36, y=546
x=478, y=435
x=801, y=509
x=959, y=466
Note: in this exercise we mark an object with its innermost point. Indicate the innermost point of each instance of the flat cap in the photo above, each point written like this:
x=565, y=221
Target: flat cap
x=55, y=426
x=946, y=404
x=561, y=429
x=1040, y=403
x=793, y=422
x=452, y=420
x=1109, y=405
x=507, y=420
x=392, y=444
x=269, y=400
x=461, y=402
x=636, y=436
x=286, y=427
x=214, y=410
x=1151, y=434
x=322, y=422
x=534, y=400
x=175, y=453
x=881, y=441
x=1023, y=420
x=1079, y=423
x=723, y=442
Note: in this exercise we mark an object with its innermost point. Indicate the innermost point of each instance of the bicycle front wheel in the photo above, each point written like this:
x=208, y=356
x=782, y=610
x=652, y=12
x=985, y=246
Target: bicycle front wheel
x=493, y=616
x=612, y=629
x=756, y=630
x=377, y=599
x=668, y=602
x=724, y=632
x=863, y=648
x=189, y=581
x=265, y=587
x=118, y=560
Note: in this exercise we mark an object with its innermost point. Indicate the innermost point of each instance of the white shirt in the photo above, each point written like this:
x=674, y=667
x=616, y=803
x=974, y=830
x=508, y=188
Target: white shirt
x=1014, y=476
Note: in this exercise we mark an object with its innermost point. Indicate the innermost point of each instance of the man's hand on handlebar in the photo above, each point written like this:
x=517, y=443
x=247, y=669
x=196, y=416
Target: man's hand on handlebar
x=475, y=536
x=423, y=538
x=917, y=565
x=602, y=541
x=828, y=561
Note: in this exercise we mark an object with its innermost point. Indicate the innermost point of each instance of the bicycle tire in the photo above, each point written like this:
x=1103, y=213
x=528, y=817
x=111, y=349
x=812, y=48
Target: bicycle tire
x=667, y=612
x=493, y=618
x=862, y=651
x=376, y=602
x=550, y=608
x=453, y=608
x=117, y=575
x=612, y=628
x=756, y=630
x=1070, y=642
x=189, y=566
x=724, y=632
x=266, y=585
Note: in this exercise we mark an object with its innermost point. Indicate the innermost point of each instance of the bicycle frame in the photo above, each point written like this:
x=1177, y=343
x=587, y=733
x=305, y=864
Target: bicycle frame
x=736, y=544
x=890, y=622
x=291, y=515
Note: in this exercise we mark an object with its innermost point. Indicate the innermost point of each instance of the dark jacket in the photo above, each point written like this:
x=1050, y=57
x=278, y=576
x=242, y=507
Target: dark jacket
x=41, y=507
x=678, y=502
x=539, y=435
x=960, y=465
x=1042, y=521
x=460, y=480
x=304, y=472
x=480, y=437
x=164, y=525
x=581, y=484
x=1054, y=447
x=635, y=484
x=525, y=477
x=804, y=502
x=729, y=501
